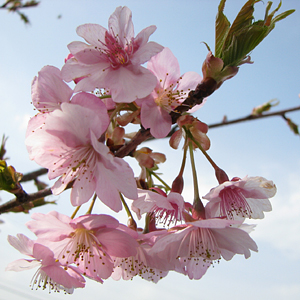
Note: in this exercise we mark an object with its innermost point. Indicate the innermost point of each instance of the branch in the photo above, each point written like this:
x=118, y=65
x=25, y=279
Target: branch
x=23, y=198
x=254, y=117
x=33, y=175
x=141, y=136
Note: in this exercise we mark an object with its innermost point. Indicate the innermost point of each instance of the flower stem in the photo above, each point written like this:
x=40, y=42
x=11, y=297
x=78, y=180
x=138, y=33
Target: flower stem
x=75, y=212
x=92, y=205
x=220, y=174
x=158, y=178
x=129, y=214
x=197, y=205
x=183, y=162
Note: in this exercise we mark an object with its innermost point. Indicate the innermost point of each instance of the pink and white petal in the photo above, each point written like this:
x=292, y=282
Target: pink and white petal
x=49, y=227
x=106, y=190
x=22, y=265
x=82, y=190
x=189, y=81
x=156, y=118
x=258, y=206
x=90, y=56
x=48, y=90
x=94, y=222
x=143, y=36
x=165, y=63
x=76, y=47
x=94, y=34
x=22, y=243
x=196, y=267
x=235, y=240
x=175, y=139
x=120, y=24
x=59, y=186
x=35, y=123
x=129, y=83
x=262, y=186
x=144, y=53
x=97, y=106
x=67, y=278
x=214, y=223
x=117, y=243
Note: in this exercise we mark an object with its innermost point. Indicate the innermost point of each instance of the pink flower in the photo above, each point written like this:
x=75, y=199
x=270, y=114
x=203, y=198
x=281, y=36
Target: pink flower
x=148, y=267
x=68, y=145
x=170, y=91
x=113, y=58
x=165, y=208
x=50, y=273
x=88, y=241
x=199, y=243
x=243, y=198
x=48, y=90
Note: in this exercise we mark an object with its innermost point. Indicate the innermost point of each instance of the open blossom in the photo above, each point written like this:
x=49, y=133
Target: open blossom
x=197, y=244
x=48, y=90
x=112, y=58
x=68, y=145
x=50, y=274
x=165, y=208
x=88, y=241
x=241, y=198
x=170, y=91
x=148, y=267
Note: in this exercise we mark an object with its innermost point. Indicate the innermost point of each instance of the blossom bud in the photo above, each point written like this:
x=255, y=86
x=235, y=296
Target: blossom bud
x=221, y=176
x=147, y=158
x=177, y=185
x=9, y=178
x=264, y=107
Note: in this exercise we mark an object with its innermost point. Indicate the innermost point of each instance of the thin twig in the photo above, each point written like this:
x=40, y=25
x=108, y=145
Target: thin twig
x=33, y=175
x=254, y=117
x=140, y=137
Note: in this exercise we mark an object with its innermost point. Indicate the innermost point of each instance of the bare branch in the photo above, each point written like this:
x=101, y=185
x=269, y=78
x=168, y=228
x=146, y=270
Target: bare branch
x=255, y=117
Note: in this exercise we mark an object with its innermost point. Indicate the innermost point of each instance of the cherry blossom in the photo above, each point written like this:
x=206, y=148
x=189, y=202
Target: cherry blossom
x=241, y=198
x=197, y=244
x=148, y=267
x=48, y=90
x=88, y=241
x=170, y=91
x=113, y=58
x=68, y=145
x=50, y=273
x=165, y=208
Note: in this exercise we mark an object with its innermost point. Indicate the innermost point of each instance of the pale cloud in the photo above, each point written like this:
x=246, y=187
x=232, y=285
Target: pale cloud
x=22, y=120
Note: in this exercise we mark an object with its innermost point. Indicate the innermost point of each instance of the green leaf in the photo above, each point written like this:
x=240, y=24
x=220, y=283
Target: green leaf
x=243, y=44
x=242, y=20
x=244, y=34
x=222, y=28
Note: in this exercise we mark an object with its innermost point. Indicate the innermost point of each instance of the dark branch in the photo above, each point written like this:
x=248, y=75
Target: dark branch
x=33, y=175
x=255, y=117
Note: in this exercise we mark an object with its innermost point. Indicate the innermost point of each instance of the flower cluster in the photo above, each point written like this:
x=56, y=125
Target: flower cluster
x=77, y=134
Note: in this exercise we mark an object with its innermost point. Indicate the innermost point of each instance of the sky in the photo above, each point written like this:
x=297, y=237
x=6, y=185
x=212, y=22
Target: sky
x=264, y=147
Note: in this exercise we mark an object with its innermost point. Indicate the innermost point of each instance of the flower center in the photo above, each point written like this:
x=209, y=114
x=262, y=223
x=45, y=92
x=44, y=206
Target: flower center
x=169, y=97
x=234, y=202
x=116, y=54
x=76, y=162
x=204, y=244
x=41, y=280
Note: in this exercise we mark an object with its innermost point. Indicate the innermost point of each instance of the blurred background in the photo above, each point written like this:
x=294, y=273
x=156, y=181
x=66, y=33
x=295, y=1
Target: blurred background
x=264, y=147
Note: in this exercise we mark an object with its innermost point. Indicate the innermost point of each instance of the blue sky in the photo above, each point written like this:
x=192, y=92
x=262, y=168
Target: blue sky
x=259, y=148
